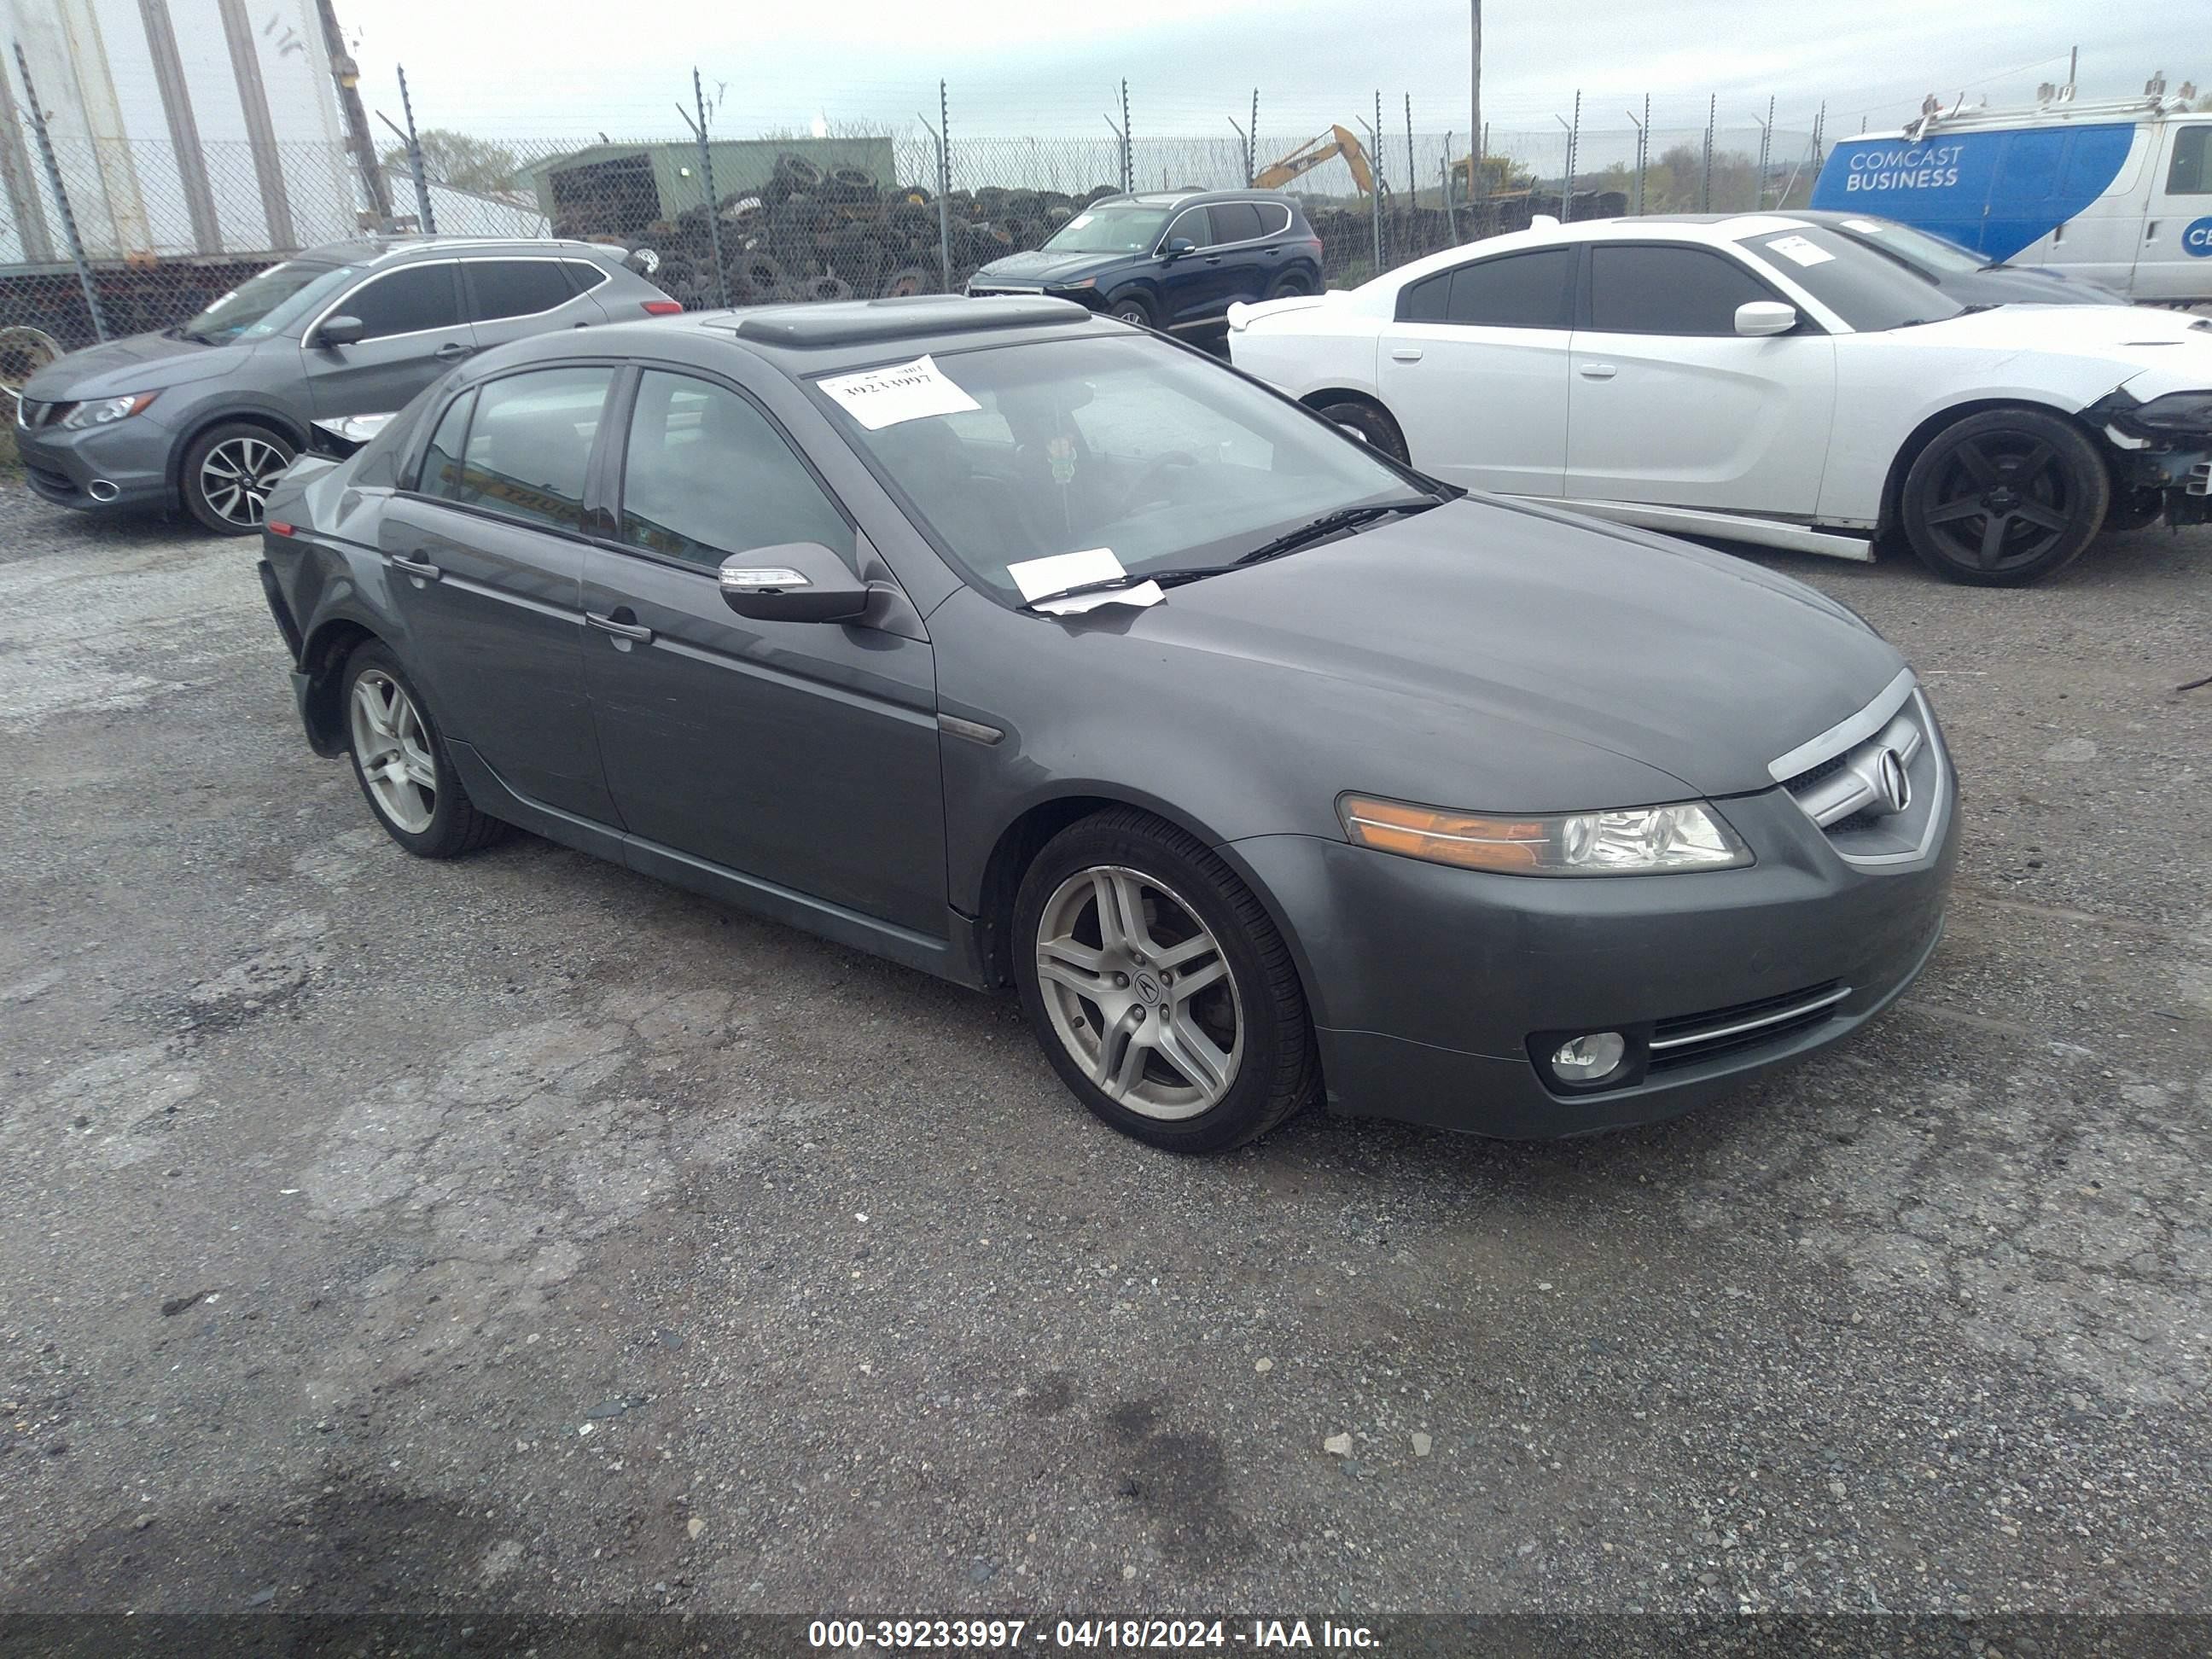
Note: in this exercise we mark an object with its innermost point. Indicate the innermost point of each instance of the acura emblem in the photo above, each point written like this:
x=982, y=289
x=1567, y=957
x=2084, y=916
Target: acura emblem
x=1889, y=778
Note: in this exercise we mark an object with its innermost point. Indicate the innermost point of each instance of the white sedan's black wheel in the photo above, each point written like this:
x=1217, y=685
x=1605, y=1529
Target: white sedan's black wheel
x=2005, y=497
x=228, y=474
x=1159, y=986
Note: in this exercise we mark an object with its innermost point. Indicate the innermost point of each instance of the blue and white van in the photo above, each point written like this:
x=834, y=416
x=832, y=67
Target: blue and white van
x=2120, y=193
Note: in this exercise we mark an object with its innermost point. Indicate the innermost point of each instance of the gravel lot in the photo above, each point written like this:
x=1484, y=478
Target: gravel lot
x=517, y=1234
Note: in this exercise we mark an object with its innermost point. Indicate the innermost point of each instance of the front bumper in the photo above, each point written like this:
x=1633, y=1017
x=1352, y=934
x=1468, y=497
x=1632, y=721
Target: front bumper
x=1430, y=986
x=114, y=468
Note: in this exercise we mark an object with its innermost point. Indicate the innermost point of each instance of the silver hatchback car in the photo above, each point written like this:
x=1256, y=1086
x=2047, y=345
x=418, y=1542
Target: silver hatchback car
x=208, y=414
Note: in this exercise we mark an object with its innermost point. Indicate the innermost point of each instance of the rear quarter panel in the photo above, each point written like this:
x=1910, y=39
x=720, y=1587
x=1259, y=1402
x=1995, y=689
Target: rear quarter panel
x=1304, y=349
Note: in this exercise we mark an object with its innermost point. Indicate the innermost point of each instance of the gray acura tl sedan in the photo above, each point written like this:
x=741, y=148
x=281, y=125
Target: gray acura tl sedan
x=1041, y=653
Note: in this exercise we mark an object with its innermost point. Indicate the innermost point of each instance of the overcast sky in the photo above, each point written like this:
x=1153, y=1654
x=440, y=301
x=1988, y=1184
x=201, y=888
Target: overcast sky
x=525, y=69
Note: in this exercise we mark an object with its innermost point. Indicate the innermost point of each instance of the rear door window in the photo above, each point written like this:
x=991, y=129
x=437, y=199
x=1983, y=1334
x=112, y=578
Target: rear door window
x=528, y=449
x=1515, y=290
x=514, y=288
x=1235, y=221
x=1522, y=290
x=413, y=300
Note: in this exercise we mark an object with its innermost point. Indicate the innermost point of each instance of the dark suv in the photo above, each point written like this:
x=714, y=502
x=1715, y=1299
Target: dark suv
x=1170, y=259
x=207, y=415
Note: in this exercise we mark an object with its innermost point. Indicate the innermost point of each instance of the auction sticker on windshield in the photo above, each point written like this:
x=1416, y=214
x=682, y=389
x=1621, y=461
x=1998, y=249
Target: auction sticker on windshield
x=879, y=397
x=1037, y=577
x=1798, y=249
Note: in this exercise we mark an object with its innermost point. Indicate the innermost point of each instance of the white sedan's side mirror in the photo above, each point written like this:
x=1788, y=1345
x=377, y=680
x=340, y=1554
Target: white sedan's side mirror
x=1765, y=317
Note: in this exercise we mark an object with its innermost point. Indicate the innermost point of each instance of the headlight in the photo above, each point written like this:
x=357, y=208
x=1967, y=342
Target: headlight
x=1088, y=282
x=106, y=411
x=1636, y=841
x=2189, y=412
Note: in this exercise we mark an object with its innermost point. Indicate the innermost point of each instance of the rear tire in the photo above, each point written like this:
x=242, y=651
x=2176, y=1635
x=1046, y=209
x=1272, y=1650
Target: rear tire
x=1287, y=286
x=1176, y=1015
x=400, y=760
x=1370, y=422
x=2005, y=498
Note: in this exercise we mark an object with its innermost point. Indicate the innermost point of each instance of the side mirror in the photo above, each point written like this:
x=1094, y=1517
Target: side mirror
x=1177, y=246
x=1765, y=317
x=340, y=331
x=797, y=582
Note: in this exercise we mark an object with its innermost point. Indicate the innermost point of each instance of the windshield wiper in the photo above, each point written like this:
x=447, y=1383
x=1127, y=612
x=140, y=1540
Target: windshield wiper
x=1127, y=579
x=1331, y=524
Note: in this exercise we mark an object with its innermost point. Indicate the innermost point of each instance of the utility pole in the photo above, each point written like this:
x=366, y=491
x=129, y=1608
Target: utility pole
x=1476, y=133
x=348, y=76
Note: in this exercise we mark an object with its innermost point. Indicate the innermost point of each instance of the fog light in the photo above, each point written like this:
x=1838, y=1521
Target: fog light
x=1587, y=1059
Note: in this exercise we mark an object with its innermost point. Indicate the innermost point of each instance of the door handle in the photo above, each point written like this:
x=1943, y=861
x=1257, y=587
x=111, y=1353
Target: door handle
x=451, y=352
x=1405, y=353
x=1596, y=371
x=620, y=629
x=2150, y=231
x=427, y=571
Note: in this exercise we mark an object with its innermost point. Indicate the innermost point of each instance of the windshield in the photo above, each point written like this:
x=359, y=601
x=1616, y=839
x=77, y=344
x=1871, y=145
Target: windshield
x=1932, y=254
x=1168, y=460
x=262, y=304
x=1867, y=290
x=1111, y=227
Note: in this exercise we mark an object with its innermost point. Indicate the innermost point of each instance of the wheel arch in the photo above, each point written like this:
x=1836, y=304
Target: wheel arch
x=1025, y=835
x=322, y=659
x=248, y=415
x=1893, y=485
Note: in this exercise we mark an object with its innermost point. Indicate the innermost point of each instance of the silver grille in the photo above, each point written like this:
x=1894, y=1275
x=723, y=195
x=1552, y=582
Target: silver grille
x=1876, y=782
x=2200, y=480
x=28, y=414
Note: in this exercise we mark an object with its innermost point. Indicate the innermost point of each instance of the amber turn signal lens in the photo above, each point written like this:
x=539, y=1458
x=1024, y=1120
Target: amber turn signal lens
x=1427, y=832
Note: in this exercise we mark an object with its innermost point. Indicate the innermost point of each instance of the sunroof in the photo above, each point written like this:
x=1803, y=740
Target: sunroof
x=858, y=321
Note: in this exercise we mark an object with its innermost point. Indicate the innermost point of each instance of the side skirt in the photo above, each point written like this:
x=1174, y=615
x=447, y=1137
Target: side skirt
x=1729, y=526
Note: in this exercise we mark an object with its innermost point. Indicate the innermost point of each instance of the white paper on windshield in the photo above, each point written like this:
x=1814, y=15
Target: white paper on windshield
x=907, y=391
x=1094, y=564
x=1798, y=249
x=1079, y=221
x=1865, y=225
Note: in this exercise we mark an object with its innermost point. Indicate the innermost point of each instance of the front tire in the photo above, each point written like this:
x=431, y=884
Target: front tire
x=227, y=473
x=400, y=760
x=1370, y=422
x=2005, y=498
x=1133, y=309
x=1160, y=990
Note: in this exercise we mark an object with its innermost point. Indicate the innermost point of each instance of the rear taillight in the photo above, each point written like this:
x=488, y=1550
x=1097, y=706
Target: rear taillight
x=662, y=307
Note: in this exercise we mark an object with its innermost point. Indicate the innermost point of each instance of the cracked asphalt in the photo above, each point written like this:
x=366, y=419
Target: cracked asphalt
x=516, y=1234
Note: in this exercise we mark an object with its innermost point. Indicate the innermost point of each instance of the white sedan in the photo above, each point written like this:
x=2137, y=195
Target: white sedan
x=1759, y=378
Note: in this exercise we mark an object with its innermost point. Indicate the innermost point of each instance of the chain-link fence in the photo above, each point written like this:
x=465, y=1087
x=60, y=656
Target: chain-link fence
x=745, y=221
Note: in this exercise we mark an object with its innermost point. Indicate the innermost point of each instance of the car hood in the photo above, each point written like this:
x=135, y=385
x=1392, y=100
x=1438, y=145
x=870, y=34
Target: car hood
x=1497, y=657
x=2083, y=351
x=1044, y=265
x=140, y=363
x=2004, y=285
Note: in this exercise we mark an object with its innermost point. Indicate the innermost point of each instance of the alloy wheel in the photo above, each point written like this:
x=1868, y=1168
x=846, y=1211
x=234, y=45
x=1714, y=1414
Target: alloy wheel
x=236, y=477
x=393, y=751
x=1141, y=992
x=2001, y=499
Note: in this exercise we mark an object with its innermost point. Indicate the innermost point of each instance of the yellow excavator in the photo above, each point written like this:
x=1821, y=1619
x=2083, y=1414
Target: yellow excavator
x=1310, y=155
